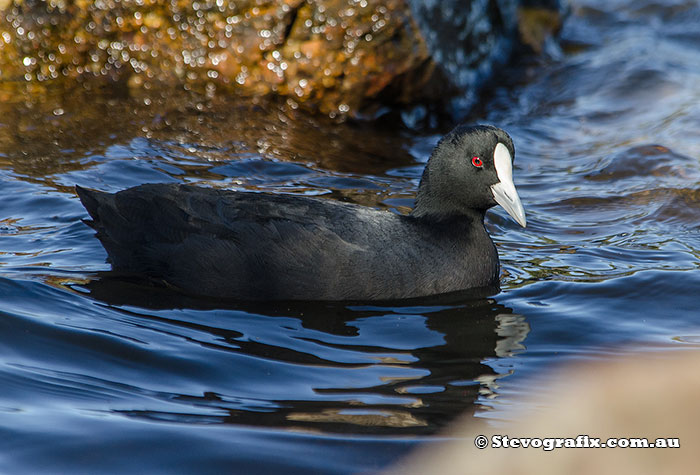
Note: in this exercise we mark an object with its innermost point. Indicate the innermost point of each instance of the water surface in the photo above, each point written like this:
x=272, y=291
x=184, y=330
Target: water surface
x=104, y=375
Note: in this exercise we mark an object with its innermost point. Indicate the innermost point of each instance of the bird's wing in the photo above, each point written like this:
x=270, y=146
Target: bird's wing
x=229, y=240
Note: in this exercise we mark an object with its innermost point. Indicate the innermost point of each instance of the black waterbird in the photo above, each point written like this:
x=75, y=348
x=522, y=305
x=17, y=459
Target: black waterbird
x=255, y=246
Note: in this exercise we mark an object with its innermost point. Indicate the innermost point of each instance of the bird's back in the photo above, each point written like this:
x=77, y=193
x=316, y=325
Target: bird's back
x=263, y=246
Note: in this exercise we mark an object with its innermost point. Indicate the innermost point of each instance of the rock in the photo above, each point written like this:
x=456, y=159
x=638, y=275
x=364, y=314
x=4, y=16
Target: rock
x=337, y=57
x=651, y=396
x=466, y=39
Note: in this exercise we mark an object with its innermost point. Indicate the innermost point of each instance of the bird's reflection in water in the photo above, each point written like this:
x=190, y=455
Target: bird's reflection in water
x=406, y=367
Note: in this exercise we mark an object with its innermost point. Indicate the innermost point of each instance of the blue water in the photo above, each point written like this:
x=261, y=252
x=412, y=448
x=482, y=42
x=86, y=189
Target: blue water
x=101, y=375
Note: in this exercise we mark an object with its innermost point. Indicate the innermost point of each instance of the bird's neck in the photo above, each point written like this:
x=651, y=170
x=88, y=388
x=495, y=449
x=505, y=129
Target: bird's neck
x=430, y=205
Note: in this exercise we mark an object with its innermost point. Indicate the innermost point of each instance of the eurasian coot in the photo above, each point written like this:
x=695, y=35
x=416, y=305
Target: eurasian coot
x=255, y=246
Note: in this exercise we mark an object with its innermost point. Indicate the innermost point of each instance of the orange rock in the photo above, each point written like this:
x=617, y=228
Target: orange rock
x=344, y=53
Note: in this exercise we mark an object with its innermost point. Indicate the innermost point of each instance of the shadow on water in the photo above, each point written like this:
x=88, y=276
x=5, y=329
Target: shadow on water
x=400, y=368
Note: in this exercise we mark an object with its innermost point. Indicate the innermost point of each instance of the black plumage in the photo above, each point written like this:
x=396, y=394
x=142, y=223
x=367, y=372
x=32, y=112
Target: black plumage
x=256, y=246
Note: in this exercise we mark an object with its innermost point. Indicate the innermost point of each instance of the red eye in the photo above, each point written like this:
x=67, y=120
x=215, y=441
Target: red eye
x=476, y=161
